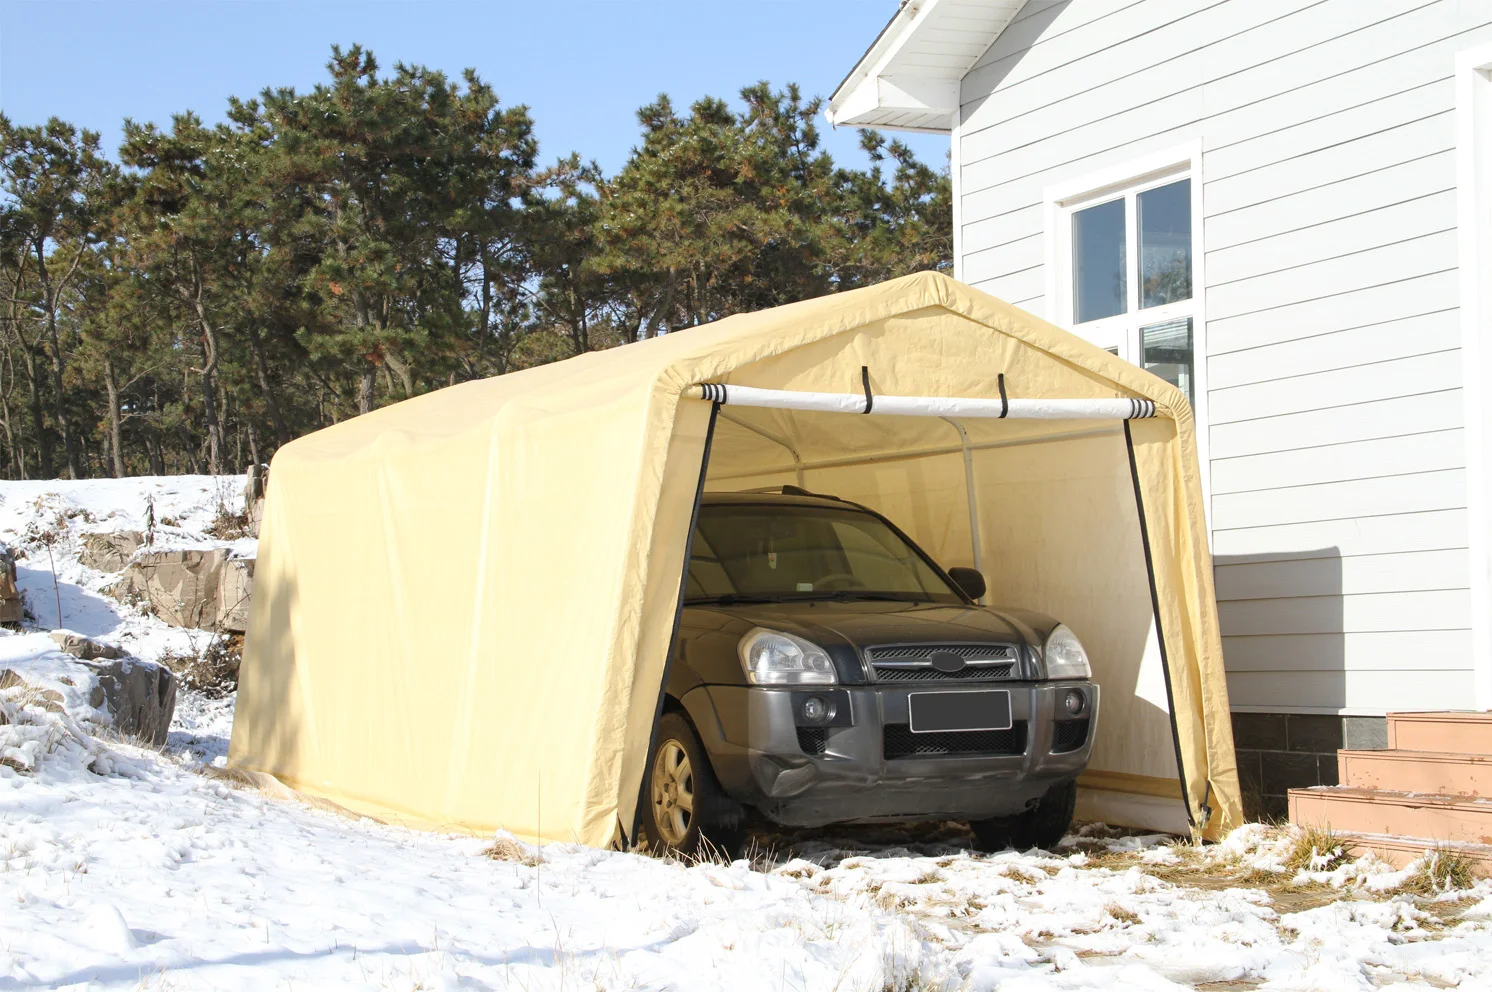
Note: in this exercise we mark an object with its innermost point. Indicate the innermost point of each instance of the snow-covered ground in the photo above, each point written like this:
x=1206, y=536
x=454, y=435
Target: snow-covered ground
x=153, y=871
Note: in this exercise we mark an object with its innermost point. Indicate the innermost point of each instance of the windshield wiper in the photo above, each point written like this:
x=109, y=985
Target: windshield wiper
x=731, y=598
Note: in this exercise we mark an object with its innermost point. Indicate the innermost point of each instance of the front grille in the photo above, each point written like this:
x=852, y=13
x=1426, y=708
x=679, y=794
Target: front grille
x=900, y=742
x=912, y=652
x=919, y=674
x=911, y=662
x=813, y=740
x=1069, y=735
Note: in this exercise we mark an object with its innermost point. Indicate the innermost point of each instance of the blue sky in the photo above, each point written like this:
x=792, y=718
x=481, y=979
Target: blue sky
x=583, y=67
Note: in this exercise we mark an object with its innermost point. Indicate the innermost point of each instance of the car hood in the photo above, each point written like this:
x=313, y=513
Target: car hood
x=860, y=624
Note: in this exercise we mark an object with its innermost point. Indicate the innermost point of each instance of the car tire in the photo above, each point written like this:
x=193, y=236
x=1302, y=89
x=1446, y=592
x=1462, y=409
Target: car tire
x=680, y=769
x=1043, y=826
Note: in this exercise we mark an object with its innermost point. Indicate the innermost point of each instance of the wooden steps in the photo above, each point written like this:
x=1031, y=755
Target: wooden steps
x=1457, y=730
x=1432, y=788
x=1401, y=814
x=1445, y=772
x=1404, y=851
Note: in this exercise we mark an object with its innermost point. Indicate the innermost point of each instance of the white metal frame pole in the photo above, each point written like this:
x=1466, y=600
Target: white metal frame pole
x=926, y=406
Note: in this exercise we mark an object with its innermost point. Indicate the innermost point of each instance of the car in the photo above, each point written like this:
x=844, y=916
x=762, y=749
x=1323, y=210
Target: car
x=826, y=670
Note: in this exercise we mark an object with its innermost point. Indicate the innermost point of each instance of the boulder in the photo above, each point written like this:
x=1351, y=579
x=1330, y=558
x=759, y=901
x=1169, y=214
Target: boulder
x=12, y=609
x=255, y=485
x=139, y=696
x=207, y=590
x=235, y=582
x=85, y=647
x=91, y=682
x=110, y=552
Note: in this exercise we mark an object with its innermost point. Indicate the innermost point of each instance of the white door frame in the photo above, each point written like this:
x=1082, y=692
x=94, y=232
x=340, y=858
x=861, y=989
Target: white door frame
x=1474, y=224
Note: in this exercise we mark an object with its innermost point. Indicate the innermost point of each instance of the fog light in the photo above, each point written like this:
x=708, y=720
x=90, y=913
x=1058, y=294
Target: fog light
x=1073, y=702
x=815, y=710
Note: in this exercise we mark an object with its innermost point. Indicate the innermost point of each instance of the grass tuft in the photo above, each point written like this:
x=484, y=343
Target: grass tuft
x=1316, y=849
x=512, y=849
x=1438, y=872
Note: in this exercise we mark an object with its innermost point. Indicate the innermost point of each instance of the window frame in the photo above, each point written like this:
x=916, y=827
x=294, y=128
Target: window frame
x=1122, y=331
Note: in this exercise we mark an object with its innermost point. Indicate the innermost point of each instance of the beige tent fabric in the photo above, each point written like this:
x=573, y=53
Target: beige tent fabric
x=464, y=602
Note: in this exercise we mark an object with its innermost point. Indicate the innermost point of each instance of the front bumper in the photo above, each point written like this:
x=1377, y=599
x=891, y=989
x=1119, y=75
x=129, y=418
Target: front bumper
x=870, y=770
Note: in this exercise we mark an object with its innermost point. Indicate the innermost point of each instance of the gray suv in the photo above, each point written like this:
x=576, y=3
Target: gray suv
x=826, y=670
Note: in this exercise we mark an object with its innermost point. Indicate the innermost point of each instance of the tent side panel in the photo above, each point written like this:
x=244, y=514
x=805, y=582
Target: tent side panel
x=665, y=571
x=436, y=639
x=1061, y=536
x=1166, y=480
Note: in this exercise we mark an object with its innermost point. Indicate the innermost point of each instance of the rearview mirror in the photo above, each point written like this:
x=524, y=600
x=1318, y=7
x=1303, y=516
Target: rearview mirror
x=969, y=580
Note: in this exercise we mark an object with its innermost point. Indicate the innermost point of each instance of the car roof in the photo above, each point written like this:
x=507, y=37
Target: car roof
x=775, y=497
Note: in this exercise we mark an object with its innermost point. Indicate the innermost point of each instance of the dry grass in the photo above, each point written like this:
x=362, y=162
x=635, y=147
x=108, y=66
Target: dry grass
x=228, y=526
x=1316, y=849
x=1438, y=873
x=915, y=981
x=1117, y=912
x=509, y=849
x=213, y=671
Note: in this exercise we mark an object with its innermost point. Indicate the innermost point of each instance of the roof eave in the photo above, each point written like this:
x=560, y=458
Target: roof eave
x=884, y=90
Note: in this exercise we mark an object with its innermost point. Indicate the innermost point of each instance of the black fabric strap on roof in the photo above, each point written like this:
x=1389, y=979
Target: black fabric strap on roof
x=865, y=381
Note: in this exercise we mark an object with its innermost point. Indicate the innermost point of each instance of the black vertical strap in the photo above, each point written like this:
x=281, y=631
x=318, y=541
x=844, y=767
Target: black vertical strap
x=865, y=381
x=1004, y=401
x=1160, y=634
x=678, y=618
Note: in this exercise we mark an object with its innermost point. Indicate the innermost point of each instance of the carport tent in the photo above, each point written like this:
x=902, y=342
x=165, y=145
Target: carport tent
x=464, y=602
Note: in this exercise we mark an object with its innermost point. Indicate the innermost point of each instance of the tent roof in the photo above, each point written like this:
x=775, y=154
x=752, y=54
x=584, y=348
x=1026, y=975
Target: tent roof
x=711, y=352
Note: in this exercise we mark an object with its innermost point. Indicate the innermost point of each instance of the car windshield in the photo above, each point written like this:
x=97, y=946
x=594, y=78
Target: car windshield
x=779, y=553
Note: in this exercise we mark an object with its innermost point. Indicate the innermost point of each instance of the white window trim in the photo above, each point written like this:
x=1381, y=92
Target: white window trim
x=1168, y=165
x=955, y=170
x=1474, y=232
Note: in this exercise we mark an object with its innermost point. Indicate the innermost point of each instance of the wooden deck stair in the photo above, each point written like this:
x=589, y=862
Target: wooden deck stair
x=1432, y=788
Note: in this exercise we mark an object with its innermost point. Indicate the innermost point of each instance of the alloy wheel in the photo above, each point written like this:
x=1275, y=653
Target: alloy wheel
x=673, y=793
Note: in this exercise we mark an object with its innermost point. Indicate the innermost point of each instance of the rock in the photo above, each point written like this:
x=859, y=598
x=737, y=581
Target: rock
x=134, y=698
x=84, y=647
x=110, y=552
x=235, y=583
x=207, y=590
x=12, y=609
x=139, y=696
x=255, y=486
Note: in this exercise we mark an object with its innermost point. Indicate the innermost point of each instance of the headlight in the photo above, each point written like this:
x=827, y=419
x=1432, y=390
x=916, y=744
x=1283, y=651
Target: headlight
x=770, y=657
x=1065, y=657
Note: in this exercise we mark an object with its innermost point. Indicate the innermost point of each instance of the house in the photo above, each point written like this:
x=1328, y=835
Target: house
x=1285, y=208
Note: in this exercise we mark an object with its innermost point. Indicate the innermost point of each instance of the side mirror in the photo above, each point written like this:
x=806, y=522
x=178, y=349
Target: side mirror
x=969, y=580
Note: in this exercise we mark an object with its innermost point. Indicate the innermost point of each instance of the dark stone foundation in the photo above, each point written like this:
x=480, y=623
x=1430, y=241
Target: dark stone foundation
x=1282, y=751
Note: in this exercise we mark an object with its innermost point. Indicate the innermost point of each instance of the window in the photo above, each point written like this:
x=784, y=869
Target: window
x=1128, y=279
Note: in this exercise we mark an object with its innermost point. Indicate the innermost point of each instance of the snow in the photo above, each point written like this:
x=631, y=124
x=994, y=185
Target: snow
x=44, y=523
x=124, y=867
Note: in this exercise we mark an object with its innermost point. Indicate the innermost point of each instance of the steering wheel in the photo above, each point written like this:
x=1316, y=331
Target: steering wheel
x=838, y=580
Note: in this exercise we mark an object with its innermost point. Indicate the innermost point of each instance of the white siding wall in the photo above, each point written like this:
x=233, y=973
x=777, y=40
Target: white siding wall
x=1334, y=410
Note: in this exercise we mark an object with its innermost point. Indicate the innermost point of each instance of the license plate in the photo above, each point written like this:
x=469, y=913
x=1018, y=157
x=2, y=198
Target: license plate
x=935, y=712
